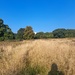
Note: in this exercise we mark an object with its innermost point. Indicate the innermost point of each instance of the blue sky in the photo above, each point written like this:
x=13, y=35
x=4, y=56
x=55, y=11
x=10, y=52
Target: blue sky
x=42, y=15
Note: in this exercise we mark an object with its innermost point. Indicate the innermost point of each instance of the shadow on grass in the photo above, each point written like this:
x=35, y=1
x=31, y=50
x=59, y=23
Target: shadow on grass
x=54, y=70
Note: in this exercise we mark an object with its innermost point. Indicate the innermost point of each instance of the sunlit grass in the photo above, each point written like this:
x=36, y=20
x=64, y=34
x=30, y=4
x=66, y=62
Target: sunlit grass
x=37, y=56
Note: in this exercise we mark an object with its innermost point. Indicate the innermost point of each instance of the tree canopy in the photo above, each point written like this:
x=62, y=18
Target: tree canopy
x=42, y=35
x=28, y=33
x=63, y=33
x=5, y=31
x=59, y=33
x=20, y=34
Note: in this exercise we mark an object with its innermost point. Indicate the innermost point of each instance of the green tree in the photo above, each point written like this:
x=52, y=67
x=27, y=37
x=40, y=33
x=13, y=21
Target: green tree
x=59, y=33
x=39, y=35
x=70, y=33
x=20, y=34
x=42, y=35
x=5, y=31
x=48, y=35
x=28, y=33
x=1, y=21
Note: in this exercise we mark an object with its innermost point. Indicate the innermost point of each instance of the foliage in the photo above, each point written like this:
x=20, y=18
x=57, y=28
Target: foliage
x=39, y=35
x=59, y=33
x=5, y=32
x=28, y=33
x=42, y=35
x=48, y=35
x=63, y=33
x=20, y=34
x=1, y=21
x=70, y=33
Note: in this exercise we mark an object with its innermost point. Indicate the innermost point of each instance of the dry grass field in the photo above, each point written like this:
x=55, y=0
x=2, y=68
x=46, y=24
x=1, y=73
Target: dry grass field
x=16, y=56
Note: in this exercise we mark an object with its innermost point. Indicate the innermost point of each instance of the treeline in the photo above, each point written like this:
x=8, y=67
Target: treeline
x=28, y=33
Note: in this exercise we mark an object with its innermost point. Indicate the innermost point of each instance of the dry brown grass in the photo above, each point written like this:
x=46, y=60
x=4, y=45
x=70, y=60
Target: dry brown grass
x=13, y=55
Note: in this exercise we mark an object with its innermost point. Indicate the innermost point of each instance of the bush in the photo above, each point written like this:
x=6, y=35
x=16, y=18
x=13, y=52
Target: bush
x=35, y=70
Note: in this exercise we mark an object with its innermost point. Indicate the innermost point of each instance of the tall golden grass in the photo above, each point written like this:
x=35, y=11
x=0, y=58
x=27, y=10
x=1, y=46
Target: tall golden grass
x=13, y=55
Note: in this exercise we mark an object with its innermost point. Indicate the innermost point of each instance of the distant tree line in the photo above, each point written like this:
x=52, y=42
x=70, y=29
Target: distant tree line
x=28, y=33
